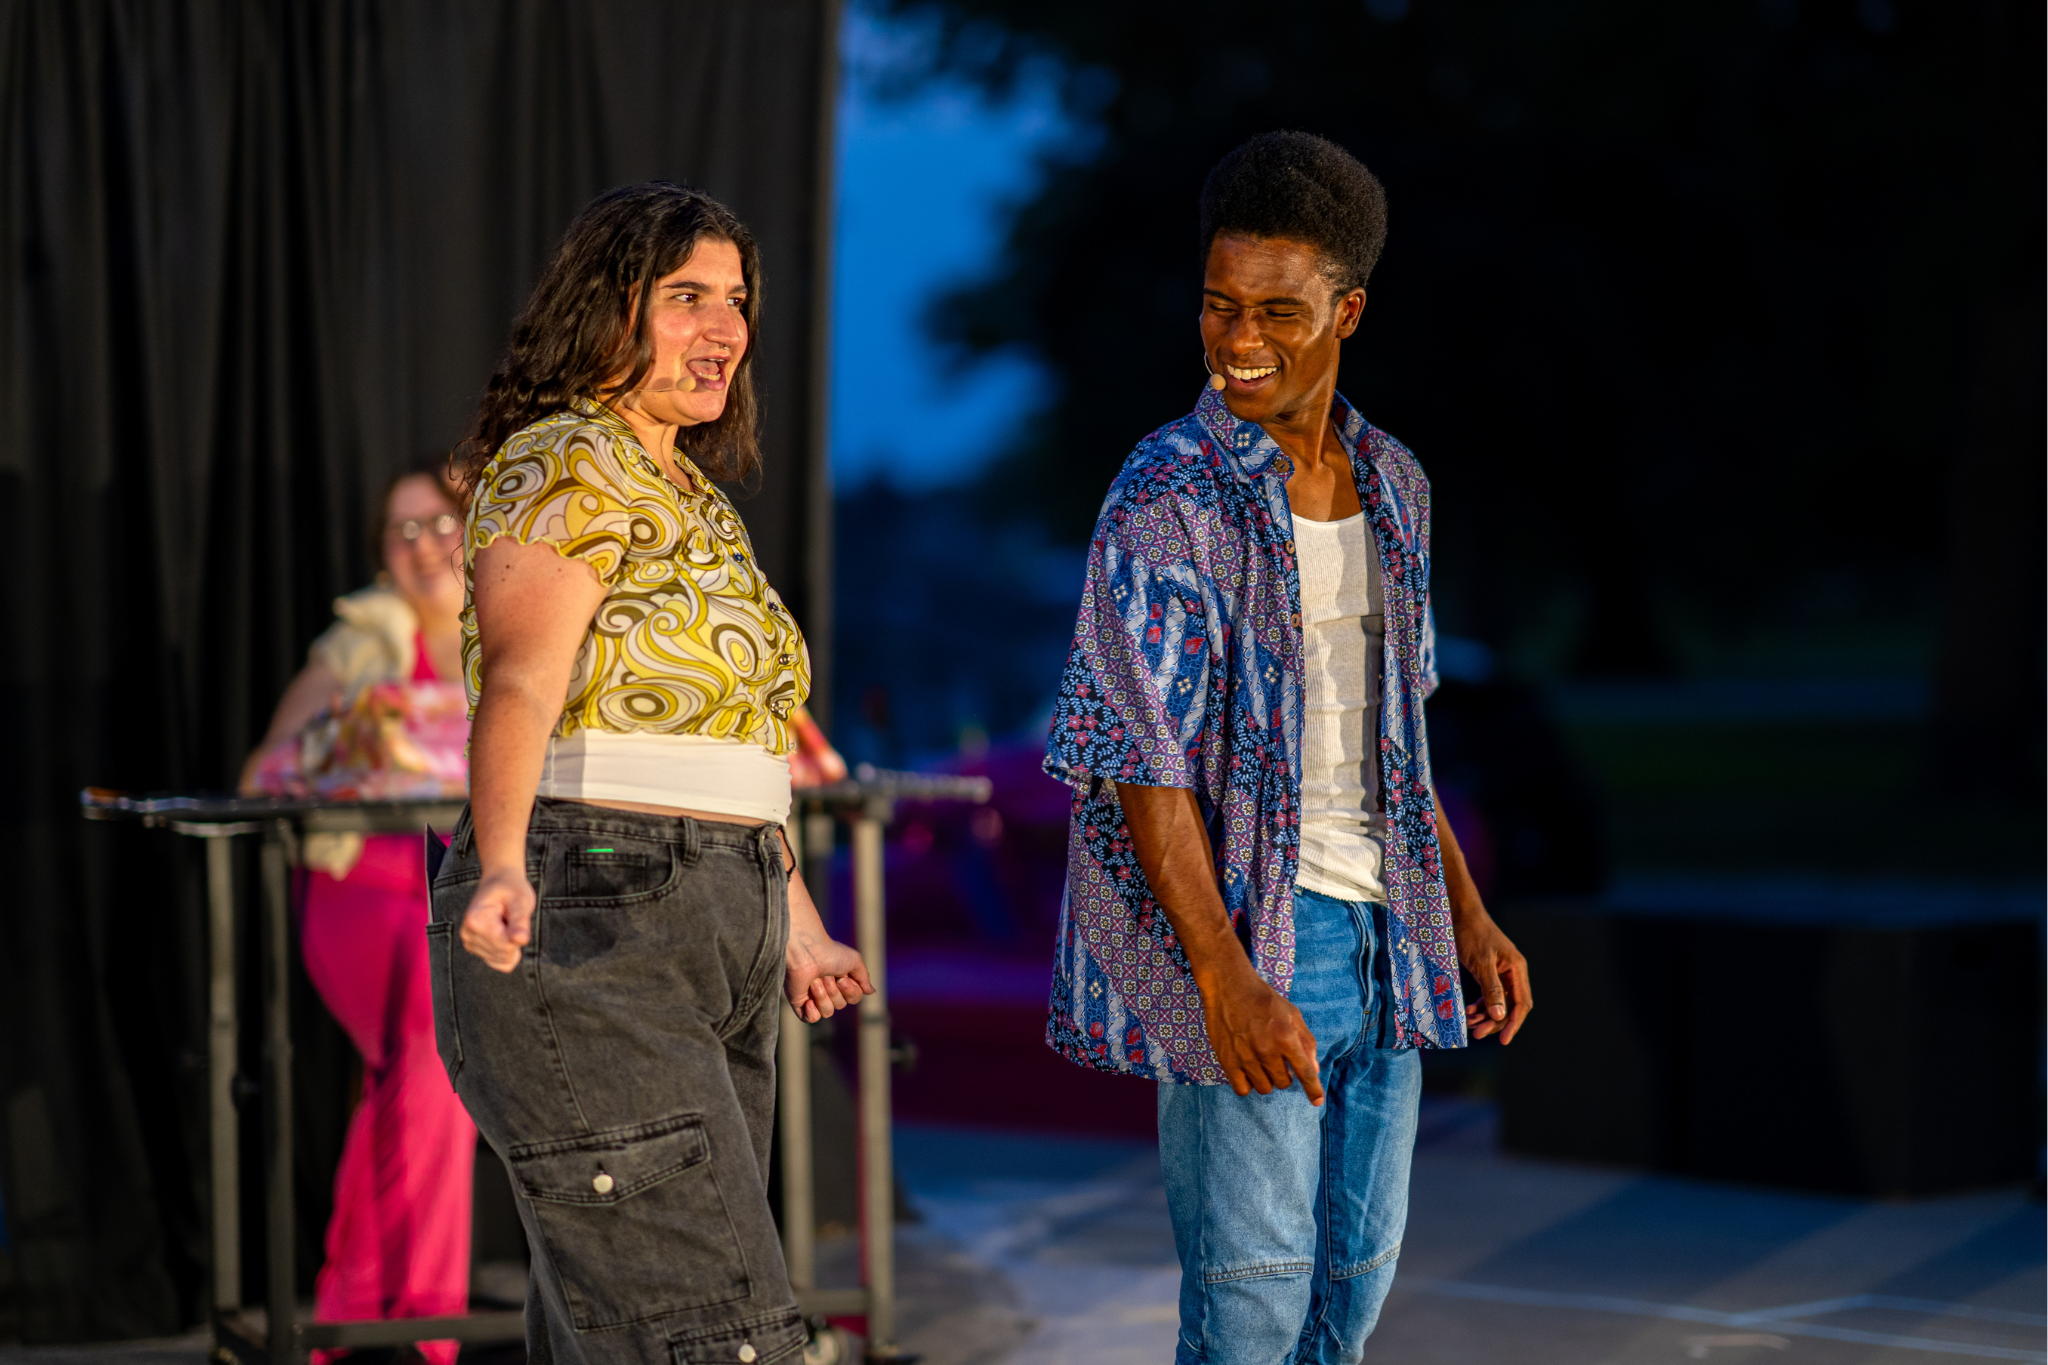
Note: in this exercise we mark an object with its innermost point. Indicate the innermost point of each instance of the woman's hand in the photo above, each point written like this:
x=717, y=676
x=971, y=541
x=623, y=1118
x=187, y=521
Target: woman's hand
x=822, y=976
x=499, y=920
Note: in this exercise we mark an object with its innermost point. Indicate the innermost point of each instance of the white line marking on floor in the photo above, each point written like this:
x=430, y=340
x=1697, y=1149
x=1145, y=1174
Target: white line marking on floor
x=1927, y=1307
x=1641, y=1308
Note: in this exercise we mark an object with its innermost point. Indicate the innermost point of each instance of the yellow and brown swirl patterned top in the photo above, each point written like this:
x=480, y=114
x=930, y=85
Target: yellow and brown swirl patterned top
x=690, y=639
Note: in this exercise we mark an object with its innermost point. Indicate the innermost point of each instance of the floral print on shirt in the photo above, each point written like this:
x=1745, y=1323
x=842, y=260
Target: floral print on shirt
x=1186, y=671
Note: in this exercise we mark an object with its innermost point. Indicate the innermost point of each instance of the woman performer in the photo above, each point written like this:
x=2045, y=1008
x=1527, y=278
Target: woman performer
x=620, y=881
x=398, y=1242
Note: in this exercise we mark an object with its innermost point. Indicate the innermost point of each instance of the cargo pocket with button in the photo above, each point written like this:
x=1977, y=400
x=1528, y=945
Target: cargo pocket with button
x=633, y=1220
x=768, y=1339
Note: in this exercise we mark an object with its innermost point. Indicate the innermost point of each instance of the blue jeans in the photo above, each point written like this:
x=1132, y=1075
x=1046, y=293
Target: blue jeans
x=1288, y=1217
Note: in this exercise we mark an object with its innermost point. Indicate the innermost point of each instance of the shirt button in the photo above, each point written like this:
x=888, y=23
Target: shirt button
x=603, y=1183
x=1290, y=547
x=747, y=1353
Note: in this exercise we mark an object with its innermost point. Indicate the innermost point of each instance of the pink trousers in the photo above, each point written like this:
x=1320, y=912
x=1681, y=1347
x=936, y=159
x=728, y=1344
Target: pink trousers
x=398, y=1245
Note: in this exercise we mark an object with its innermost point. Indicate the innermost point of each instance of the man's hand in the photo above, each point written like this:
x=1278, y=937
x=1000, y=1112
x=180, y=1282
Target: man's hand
x=822, y=976
x=1258, y=1035
x=499, y=921
x=1501, y=971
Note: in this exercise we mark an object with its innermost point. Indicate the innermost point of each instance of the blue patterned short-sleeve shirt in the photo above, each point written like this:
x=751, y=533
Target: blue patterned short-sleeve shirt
x=1186, y=671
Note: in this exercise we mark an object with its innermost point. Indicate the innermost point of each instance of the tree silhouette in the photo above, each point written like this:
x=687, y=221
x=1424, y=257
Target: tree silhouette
x=1710, y=321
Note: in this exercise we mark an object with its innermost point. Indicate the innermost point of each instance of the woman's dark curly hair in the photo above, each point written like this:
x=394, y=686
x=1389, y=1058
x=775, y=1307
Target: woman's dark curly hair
x=581, y=326
x=1303, y=188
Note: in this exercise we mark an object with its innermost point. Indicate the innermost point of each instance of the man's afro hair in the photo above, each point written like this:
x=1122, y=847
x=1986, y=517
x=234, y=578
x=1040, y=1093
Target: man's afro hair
x=1303, y=188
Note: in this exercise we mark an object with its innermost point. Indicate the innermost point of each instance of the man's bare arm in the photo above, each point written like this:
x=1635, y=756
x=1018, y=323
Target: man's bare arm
x=1495, y=963
x=1257, y=1034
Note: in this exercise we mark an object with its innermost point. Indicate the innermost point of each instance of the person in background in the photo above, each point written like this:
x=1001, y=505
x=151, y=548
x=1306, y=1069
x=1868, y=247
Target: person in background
x=1262, y=888
x=398, y=1242
x=620, y=886
x=813, y=762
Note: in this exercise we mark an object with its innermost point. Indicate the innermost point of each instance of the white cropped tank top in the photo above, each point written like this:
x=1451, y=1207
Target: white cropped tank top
x=691, y=772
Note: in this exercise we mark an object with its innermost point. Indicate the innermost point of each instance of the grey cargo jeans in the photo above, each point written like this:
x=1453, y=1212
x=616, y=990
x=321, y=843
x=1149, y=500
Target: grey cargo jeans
x=625, y=1073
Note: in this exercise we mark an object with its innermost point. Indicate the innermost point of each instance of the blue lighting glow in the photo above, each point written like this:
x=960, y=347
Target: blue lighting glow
x=923, y=176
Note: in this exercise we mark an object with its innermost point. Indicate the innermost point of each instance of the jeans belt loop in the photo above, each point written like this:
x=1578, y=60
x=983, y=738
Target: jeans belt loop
x=693, y=839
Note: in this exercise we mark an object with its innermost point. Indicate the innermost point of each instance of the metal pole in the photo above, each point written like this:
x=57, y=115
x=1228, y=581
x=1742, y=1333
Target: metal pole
x=793, y=1079
x=817, y=481
x=223, y=1128
x=799, y=1202
x=818, y=841
x=277, y=1094
x=878, y=1193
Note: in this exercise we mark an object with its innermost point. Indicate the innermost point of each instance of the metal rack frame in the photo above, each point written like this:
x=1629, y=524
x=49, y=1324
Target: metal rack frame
x=243, y=1335
x=868, y=804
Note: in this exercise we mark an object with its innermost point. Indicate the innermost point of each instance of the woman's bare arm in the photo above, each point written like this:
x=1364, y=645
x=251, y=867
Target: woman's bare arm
x=313, y=691
x=533, y=606
x=820, y=976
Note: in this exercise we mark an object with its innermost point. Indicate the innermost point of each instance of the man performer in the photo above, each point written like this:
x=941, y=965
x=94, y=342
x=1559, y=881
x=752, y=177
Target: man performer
x=1261, y=885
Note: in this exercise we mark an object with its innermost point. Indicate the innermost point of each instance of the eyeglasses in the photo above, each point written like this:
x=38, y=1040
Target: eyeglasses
x=443, y=527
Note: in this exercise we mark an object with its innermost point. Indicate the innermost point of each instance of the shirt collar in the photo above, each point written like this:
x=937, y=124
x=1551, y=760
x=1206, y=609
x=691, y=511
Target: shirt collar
x=603, y=415
x=606, y=417
x=1254, y=450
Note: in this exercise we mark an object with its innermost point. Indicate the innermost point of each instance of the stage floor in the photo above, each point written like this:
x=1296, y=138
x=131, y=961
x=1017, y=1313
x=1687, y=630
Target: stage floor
x=1041, y=1250
x=1507, y=1262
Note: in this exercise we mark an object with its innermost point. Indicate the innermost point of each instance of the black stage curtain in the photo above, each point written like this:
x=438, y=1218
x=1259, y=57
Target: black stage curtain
x=257, y=255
